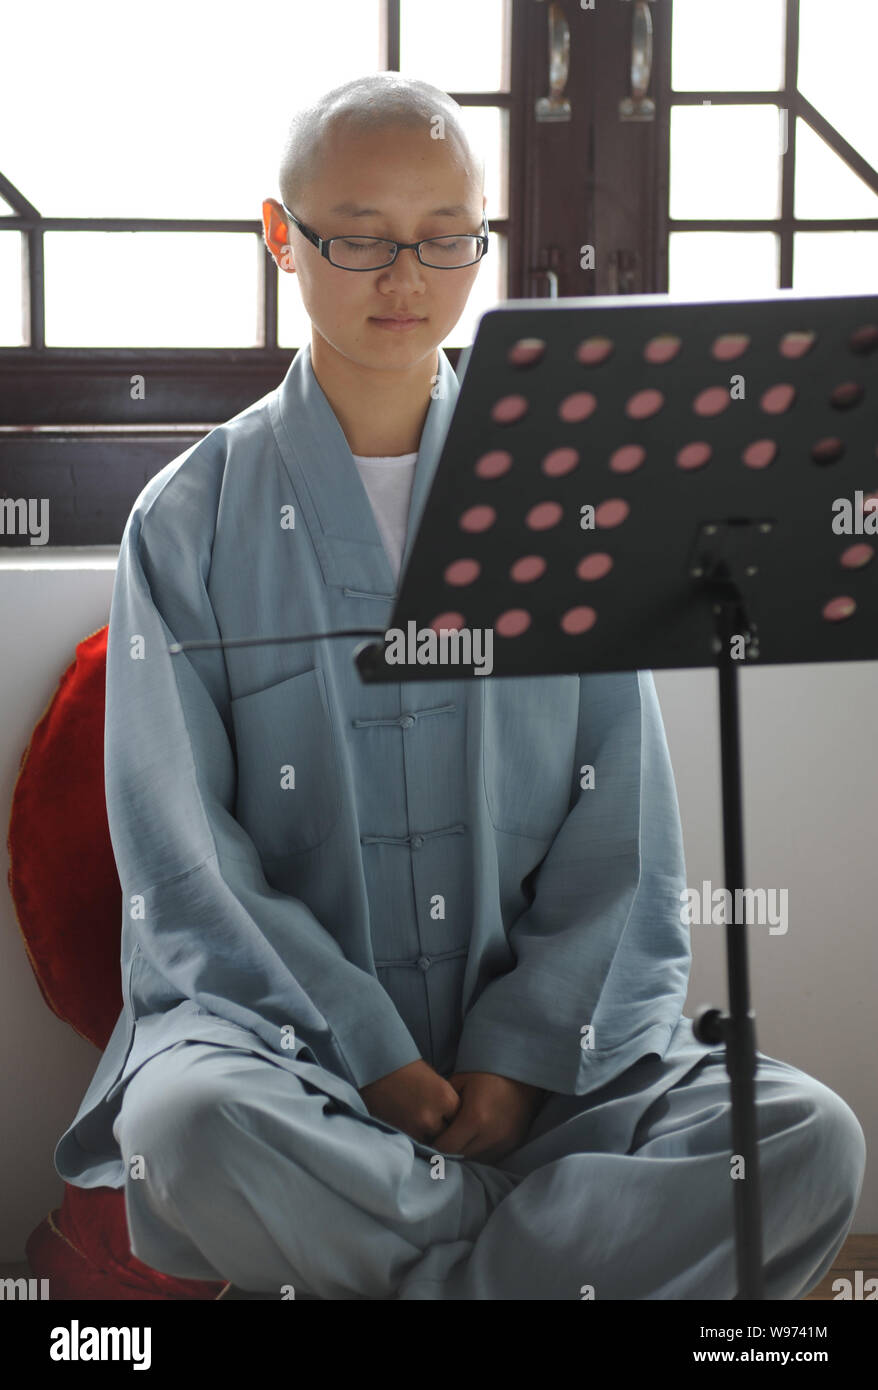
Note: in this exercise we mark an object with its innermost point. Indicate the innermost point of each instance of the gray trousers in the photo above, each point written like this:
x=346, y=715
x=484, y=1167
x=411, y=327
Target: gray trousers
x=238, y=1169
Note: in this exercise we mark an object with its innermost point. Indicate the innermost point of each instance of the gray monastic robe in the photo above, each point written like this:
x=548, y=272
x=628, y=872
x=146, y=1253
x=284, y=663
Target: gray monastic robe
x=436, y=883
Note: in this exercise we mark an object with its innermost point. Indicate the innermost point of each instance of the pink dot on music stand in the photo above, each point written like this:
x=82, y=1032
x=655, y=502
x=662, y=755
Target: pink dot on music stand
x=462, y=572
x=856, y=555
x=577, y=620
x=527, y=569
x=611, y=513
x=595, y=566
x=864, y=339
x=494, y=464
x=760, y=453
x=694, y=455
x=525, y=352
x=847, y=394
x=593, y=351
x=778, y=399
x=728, y=346
x=713, y=400
x=643, y=404
x=453, y=622
x=513, y=622
x=839, y=608
x=793, y=345
x=626, y=458
x=559, y=462
x=577, y=407
x=478, y=518
x=508, y=409
x=663, y=348
x=543, y=515
x=827, y=450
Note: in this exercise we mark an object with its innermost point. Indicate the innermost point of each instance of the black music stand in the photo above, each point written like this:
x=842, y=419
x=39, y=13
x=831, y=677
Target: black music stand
x=712, y=439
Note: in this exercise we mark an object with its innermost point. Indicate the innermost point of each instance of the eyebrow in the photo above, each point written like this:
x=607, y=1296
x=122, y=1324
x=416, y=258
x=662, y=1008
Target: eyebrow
x=349, y=209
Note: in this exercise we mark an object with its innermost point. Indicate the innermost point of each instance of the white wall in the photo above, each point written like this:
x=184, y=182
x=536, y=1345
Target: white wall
x=810, y=814
x=46, y=1067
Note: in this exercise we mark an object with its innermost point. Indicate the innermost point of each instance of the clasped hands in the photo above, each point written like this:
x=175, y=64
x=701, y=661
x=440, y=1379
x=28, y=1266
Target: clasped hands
x=478, y=1114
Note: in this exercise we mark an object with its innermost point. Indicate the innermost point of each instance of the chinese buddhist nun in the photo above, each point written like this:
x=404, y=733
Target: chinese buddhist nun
x=403, y=987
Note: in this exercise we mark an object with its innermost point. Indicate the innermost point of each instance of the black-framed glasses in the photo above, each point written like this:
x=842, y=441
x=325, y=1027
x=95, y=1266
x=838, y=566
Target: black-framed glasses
x=374, y=253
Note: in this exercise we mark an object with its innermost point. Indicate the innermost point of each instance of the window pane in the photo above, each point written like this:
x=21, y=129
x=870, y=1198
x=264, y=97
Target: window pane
x=836, y=262
x=151, y=289
x=825, y=186
x=294, y=326
x=488, y=291
x=11, y=315
x=725, y=161
x=837, y=48
x=460, y=47
x=488, y=128
x=718, y=47
x=723, y=265
x=178, y=112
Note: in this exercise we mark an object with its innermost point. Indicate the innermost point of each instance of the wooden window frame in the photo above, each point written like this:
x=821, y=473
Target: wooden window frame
x=69, y=429
x=790, y=99
x=49, y=386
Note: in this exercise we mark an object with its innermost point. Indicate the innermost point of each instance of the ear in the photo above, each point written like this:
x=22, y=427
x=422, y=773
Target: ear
x=276, y=235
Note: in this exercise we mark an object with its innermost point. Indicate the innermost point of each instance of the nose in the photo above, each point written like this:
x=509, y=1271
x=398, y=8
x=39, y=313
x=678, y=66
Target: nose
x=406, y=269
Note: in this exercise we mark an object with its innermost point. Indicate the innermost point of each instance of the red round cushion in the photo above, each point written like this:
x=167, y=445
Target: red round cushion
x=62, y=873
x=66, y=891
x=83, y=1250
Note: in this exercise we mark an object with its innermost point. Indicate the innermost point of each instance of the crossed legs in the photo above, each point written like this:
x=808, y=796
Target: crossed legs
x=252, y=1175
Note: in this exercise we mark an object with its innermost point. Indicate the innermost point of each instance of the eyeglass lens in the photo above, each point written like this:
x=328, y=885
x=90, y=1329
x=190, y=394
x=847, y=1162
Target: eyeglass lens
x=368, y=253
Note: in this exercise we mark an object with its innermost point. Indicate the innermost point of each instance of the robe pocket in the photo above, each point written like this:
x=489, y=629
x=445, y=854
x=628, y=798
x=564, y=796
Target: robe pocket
x=289, y=793
x=529, y=729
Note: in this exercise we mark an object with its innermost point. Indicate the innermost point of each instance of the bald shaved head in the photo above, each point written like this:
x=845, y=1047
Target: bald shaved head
x=372, y=103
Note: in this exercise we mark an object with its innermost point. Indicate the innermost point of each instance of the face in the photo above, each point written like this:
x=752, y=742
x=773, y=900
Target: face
x=405, y=176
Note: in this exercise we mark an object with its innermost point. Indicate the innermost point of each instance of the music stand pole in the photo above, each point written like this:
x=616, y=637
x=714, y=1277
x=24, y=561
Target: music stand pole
x=736, y=1028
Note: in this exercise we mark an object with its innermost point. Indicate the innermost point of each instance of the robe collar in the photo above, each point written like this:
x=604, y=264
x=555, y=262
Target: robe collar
x=327, y=483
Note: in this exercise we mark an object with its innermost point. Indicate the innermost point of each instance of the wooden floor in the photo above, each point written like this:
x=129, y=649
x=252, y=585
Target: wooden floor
x=858, y=1252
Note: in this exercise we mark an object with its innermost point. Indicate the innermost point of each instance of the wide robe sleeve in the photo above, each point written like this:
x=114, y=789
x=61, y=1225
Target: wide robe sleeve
x=196, y=904
x=601, y=953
